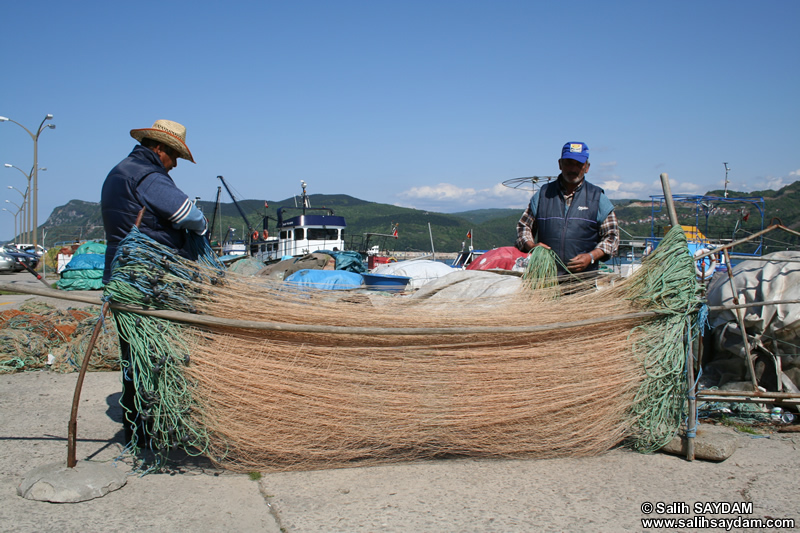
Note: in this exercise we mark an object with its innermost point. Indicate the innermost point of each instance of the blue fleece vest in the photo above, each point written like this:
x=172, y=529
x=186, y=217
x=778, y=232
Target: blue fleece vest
x=120, y=205
x=573, y=231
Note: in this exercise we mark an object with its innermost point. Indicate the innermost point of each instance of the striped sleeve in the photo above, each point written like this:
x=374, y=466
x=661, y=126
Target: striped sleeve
x=526, y=229
x=182, y=212
x=609, y=235
x=163, y=198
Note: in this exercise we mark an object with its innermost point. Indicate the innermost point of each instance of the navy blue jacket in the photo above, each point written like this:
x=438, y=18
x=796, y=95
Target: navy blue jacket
x=572, y=231
x=121, y=200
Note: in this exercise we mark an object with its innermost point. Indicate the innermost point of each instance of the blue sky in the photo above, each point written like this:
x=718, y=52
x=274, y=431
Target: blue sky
x=426, y=104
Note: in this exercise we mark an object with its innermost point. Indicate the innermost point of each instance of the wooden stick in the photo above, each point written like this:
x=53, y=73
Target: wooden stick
x=72, y=429
x=740, y=321
x=36, y=274
x=206, y=320
x=750, y=304
x=673, y=215
x=92, y=300
x=50, y=293
x=691, y=425
x=756, y=393
x=746, y=239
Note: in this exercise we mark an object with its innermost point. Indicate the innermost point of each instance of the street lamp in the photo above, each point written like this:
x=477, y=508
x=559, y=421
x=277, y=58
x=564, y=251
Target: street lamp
x=15, y=216
x=19, y=191
x=35, y=171
x=15, y=223
x=26, y=226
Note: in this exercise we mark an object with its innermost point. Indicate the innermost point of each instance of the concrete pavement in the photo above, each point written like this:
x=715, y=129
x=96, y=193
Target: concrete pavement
x=602, y=493
x=605, y=493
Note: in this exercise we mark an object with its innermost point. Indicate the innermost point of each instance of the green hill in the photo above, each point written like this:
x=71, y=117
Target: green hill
x=490, y=227
x=81, y=220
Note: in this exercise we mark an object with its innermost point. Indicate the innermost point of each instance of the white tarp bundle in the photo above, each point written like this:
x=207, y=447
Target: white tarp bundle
x=774, y=329
x=421, y=271
x=466, y=285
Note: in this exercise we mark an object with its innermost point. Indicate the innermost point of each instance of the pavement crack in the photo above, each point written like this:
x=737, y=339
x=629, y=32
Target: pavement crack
x=273, y=510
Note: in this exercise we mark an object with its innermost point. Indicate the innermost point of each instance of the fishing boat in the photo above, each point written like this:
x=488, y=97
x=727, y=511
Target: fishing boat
x=465, y=257
x=312, y=230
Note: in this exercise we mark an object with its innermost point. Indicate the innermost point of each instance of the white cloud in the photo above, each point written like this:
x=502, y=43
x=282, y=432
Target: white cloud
x=774, y=183
x=611, y=185
x=618, y=190
x=447, y=197
x=680, y=187
x=442, y=191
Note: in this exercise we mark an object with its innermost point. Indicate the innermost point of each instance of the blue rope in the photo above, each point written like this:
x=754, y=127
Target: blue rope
x=691, y=431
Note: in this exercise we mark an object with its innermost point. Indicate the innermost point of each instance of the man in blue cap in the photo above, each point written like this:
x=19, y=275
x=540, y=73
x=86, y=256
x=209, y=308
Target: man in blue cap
x=571, y=216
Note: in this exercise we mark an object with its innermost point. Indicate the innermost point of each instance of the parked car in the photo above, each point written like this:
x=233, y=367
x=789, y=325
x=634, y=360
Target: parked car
x=29, y=249
x=7, y=263
x=29, y=259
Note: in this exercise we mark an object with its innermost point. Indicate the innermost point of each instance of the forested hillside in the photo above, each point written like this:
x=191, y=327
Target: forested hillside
x=721, y=218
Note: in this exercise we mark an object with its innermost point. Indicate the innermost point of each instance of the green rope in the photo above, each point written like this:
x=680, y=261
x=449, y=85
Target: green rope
x=541, y=272
x=146, y=273
x=666, y=283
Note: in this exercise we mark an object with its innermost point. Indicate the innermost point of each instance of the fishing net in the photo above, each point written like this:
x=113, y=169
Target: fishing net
x=38, y=336
x=268, y=376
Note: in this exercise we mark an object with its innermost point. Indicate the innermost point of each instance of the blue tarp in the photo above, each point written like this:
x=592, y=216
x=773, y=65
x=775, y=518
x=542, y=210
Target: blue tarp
x=86, y=262
x=326, y=279
x=347, y=260
x=84, y=272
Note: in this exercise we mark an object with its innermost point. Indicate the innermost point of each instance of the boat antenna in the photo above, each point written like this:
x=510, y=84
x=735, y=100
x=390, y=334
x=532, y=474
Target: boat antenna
x=304, y=198
x=726, y=179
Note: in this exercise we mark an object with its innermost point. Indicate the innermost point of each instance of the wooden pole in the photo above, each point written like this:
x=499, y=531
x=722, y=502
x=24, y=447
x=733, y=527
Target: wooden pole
x=740, y=321
x=767, y=395
x=72, y=428
x=691, y=425
x=673, y=215
x=749, y=238
x=36, y=274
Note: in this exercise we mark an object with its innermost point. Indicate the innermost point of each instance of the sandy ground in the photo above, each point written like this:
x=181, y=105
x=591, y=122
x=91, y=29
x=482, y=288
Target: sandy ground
x=604, y=493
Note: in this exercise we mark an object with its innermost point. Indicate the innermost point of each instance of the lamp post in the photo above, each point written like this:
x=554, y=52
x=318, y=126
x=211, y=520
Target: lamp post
x=19, y=208
x=15, y=222
x=26, y=199
x=35, y=171
x=19, y=191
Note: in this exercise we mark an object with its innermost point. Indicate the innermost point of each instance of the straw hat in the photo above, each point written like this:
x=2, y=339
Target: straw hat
x=170, y=133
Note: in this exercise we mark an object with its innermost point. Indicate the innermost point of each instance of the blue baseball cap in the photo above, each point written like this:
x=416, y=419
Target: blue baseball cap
x=575, y=150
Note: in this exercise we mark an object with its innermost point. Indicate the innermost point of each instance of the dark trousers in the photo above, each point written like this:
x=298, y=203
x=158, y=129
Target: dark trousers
x=131, y=421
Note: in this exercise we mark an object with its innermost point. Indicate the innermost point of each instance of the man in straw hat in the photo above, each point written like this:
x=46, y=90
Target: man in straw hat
x=571, y=216
x=142, y=180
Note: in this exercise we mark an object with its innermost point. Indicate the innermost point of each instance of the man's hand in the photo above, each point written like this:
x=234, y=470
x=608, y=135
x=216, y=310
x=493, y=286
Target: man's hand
x=543, y=245
x=579, y=263
x=205, y=227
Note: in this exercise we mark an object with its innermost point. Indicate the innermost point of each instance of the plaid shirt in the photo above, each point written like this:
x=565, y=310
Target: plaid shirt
x=609, y=229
